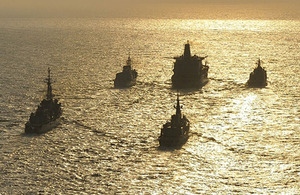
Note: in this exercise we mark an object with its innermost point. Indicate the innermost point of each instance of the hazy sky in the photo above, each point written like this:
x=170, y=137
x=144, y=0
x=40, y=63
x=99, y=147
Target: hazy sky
x=229, y=9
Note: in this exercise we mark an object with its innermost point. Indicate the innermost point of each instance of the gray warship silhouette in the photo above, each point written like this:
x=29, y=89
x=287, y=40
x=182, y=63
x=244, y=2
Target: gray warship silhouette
x=127, y=77
x=258, y=78
x=47, y=114
x=175, y=132
x=189, y=71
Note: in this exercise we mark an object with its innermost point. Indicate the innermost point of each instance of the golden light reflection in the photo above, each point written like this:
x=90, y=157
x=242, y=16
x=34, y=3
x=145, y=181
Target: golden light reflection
x=244, y=106
x=238, y=25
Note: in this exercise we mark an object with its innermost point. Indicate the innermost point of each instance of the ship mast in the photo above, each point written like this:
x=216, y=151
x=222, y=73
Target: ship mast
x=178, y=110
x=128, y=62
x=259, y=62
x=49, y=95
x=187, y=50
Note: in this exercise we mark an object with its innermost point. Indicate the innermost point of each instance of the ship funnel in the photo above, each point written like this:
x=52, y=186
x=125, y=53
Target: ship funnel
x=187, y=50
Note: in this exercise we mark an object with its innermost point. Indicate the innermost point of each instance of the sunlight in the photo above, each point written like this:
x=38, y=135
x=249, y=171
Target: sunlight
x=225, y=25
x=244, y=106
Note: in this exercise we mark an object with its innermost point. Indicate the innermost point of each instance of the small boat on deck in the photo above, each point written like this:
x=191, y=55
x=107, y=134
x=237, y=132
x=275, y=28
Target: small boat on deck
x=258, y=78
x=47, y=114
x=175, y=133
x=127, y=77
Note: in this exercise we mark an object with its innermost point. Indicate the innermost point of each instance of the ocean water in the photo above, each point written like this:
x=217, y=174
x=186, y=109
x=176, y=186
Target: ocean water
x=242, y=140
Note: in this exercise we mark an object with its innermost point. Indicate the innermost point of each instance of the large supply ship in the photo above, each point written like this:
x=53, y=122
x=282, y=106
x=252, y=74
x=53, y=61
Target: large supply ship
x=189, y=71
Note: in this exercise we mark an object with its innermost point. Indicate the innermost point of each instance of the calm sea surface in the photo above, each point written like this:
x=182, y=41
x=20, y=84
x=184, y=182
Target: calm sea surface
x=242, y=140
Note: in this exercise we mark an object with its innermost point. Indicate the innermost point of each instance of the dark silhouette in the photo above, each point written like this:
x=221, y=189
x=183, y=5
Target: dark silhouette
x=258, y=78
x=47, y=113
x=175, y=132
x=127, y=78
x=189, y=71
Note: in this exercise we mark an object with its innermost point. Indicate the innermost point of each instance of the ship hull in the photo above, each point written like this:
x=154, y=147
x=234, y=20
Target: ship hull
x=190, y=78
x=256, y=83
x=125, y=79
x=124, y=84
x=174, y=137
x=187, y=82
x=258, y=80
x=173, y=141
x=31, y=128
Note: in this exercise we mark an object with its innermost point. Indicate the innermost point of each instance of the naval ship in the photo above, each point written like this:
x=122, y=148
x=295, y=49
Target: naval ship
x=47, y=114
x=127, y=77
x=189, y=71
x=258, y=78
x=175, y=132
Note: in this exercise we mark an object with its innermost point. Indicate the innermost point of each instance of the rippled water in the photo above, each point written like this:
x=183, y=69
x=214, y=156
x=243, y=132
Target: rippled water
x=242, y=140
